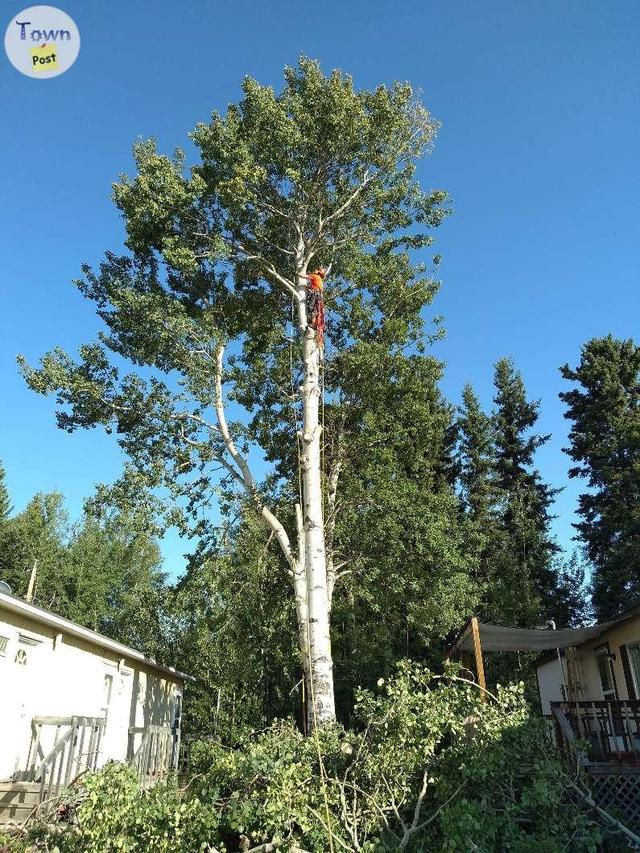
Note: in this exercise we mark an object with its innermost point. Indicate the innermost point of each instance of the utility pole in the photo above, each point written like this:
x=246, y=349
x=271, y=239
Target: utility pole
x=32, y=580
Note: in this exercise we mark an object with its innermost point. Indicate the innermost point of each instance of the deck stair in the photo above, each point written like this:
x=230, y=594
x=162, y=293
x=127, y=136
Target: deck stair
x=18, y=800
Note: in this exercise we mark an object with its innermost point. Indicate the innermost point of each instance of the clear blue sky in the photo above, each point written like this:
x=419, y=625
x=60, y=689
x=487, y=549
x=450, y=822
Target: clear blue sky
x=540, y=111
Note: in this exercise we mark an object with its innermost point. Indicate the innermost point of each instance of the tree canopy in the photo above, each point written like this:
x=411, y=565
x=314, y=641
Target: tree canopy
x=219, y=253
x=380, y=511
x=603, y=407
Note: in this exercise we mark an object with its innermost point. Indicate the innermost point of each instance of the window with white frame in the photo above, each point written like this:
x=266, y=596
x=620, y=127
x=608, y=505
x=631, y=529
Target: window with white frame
x=605, y=671
x=634, y=662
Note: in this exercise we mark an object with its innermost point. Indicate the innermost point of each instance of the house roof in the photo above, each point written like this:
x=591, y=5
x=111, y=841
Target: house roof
x=500, y=638
x=66, y=626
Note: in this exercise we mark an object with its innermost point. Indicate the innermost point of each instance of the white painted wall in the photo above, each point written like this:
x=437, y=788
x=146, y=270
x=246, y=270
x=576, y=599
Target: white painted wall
x=64, y=676
x=626, y=633
x=550, y=684
x=589, y=686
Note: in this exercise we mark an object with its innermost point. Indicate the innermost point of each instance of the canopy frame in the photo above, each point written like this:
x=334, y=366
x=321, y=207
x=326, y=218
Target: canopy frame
x=471, y=627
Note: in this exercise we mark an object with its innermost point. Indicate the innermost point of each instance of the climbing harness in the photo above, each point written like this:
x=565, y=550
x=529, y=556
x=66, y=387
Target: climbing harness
x=315, y=303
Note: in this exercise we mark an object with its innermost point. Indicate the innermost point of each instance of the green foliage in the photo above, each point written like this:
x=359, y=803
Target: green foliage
x=112, y=815
x=604, y=410
x=526, y=580
x=37, y=536
x=477, y=459
x=406, y=582
x=123, y=594
x=428, y=766
x=5, y=501
x=103, y=572
x=231, y=624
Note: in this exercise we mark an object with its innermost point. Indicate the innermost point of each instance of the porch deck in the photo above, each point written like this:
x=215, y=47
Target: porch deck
x=610, y=728
x=611, y=732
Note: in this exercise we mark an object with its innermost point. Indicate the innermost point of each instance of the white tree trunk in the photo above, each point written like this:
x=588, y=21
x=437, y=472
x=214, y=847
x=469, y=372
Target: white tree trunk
x=308, y=566
x=302, y=611
x=321, y=701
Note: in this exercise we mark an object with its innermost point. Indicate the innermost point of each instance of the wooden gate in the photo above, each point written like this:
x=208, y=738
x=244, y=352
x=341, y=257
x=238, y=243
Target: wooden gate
x=75, y=749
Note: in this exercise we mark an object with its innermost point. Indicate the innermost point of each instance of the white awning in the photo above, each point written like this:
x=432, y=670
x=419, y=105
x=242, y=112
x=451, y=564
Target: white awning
x=497, y=638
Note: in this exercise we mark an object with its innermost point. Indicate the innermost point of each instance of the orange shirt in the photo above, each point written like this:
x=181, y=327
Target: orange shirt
x=315, y=281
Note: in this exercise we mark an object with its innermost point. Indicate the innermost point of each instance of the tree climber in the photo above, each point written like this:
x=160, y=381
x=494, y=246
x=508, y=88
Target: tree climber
x=315, y=302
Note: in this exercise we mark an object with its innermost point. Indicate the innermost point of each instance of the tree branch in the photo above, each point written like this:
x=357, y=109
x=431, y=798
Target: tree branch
x=269, y=269
x=366, y=179
x=242, y=472
x=180, y=416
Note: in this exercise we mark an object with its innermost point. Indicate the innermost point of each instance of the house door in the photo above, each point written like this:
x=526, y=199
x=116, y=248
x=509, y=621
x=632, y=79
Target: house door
x=26, y=679
x=613, y=728
x=115, y=710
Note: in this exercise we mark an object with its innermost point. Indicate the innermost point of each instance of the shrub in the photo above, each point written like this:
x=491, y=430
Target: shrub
x=112, y=815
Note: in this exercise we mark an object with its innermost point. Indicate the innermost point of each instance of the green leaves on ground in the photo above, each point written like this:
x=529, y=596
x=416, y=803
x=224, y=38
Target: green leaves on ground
x=427, y=766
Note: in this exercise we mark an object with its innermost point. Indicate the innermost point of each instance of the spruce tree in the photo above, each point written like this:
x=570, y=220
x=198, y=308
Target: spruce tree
x=526, y=583
x=477, y=458
x=604, y=411
x=479, y=498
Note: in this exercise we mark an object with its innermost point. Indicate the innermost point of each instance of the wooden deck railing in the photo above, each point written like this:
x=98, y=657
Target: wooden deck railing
x=75, y=749
x=156, y=755
x=62, y=748
x=611, y=728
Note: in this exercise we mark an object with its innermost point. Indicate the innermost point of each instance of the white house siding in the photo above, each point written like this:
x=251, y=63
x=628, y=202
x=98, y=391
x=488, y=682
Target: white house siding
x=44, y=673
x=626, y=633
x=550, y=684
x=585, y=669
